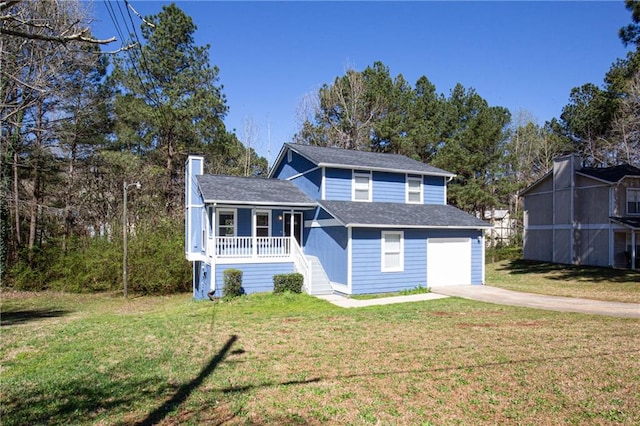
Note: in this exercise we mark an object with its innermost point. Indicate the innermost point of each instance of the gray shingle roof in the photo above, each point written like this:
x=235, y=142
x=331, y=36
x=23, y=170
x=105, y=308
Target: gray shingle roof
x=251, y=190
x=611, y=174
x=346, y=158
x=401, y=215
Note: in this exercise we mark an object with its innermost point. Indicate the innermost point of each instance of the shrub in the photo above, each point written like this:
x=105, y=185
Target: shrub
x=288, y=283
x=504, y=253
x=232, y=283
x=156, y=263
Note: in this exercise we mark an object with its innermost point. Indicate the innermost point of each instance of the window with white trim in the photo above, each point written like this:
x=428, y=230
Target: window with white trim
x=226, y=223
x=392, y=251
x=361, y=186
x=633, y=201
x=262, y=224
x=414, y=190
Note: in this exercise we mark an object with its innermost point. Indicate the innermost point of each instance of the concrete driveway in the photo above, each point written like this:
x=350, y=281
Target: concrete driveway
x=490, y=294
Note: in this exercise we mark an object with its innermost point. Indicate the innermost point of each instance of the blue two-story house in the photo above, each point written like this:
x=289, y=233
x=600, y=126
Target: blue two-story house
x=351, y=222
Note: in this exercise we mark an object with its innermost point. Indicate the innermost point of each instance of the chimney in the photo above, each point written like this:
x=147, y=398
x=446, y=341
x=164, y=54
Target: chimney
x=194, y=208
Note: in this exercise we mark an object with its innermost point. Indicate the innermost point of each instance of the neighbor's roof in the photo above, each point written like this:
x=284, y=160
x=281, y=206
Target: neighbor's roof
x=611, y=174
x=397, y=215
x=251, y=190
x=630, y=222
x=351, y=159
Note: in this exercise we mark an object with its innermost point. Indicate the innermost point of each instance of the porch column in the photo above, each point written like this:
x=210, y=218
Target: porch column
x=254, y=237
x=633, y=250
x=292, y=237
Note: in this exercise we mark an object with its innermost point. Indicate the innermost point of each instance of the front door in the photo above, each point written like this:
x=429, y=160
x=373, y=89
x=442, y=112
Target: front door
x=297, y=226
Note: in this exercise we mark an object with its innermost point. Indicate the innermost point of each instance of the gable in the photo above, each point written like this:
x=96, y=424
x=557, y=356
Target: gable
x=351, y=159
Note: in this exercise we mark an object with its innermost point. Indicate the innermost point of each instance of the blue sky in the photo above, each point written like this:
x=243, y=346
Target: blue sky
x=519, y=55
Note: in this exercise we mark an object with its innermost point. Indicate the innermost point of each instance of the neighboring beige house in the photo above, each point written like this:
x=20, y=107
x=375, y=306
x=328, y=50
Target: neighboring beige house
x=504, y=227
x=584, y=215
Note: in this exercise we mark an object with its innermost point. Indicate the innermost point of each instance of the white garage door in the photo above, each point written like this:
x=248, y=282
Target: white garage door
x=448, y=261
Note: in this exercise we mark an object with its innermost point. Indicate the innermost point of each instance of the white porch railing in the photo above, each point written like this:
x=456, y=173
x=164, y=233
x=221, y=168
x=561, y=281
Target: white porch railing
x=301, y=264
x=263, y=247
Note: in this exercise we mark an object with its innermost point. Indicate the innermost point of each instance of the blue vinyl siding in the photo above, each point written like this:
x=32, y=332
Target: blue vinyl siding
x=194, y=239
x=389, y=187
x=329, y=245
x=434, y=190
x=366, y=263
x=201, y=280
x=243, y=217
x=309, y=183
x=477, y=261
x=256, y=277
x=366, y=259
x=277, y=223
x=297, y=165
x=337, y=184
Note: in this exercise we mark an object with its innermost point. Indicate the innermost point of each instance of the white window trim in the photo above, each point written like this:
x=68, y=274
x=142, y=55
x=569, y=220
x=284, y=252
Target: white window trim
x=383, y=267
x=419, y=178
x=353, y=185
x=269, y=223
x=235, y=220
x=629, y=191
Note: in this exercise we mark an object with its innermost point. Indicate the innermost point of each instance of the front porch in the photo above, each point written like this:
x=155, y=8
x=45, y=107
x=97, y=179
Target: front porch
x=252, y=252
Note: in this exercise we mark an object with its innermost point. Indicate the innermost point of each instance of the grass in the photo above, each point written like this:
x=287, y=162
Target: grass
x=607, y=284
x=295, y=359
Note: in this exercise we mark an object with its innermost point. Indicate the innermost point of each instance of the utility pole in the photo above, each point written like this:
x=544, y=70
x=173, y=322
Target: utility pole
x=125, y=186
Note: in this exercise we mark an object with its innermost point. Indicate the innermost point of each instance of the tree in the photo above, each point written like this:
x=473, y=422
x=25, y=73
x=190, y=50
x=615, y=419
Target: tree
x=587, y=121
x=14, y=22
x=345, y=116
x=426, y=116
x=36, y=65
x=169, y=102
x=630, y=34
x=473, y=144
x=626, y=124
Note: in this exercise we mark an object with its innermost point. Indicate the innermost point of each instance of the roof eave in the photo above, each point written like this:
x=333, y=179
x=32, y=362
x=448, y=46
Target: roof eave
x=385, y=169
x=536, y=183
x=277, y=161
x=608, y=182
x=396, y=226
x=257, y=203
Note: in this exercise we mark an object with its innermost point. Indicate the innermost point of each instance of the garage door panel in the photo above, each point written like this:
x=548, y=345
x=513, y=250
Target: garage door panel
x=448, y=261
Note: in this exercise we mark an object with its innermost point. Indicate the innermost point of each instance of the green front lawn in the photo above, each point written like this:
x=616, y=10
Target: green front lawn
x=295, y=359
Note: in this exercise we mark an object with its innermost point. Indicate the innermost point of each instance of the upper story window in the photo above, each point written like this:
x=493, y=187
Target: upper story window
x=262, y=224
x=414, y=190
x=633, y=201
x=226, y=223
x=361, y=186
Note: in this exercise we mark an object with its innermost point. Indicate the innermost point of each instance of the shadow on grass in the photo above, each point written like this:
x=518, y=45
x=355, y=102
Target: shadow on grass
x=185, y=390
x=555, y=271
x=24, y=316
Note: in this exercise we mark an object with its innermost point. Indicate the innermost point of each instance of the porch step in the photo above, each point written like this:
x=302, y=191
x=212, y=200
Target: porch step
x=321, y=284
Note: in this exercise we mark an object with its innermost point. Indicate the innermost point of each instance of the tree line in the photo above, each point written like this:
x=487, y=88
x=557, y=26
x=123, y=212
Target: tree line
x=78, y=123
